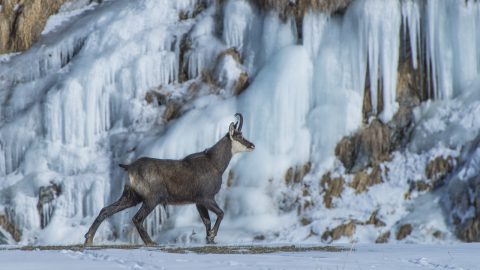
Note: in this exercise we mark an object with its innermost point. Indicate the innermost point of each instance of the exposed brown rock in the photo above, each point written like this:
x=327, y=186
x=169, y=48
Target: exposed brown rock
x=458, y=194
x=383, y=238
x=303, y=6
x=346, y=152
x=362, y=180
x=231, y=178
x=469, y=231
x=260, y=237
x=463, y=197
x=422, y=186
x=375, y=141
x=374, y=220
x=370, y=145
x=47, y=195
x=10, y=227
x=305, y=221
x=438, y=168
x=332, y=188
x=408, y=84
x=154, y=96
x=367, y=107
x=296, y=174
x=404, y=231
x=185, y=46
x=401, y=127
x=241, y=84
x=234, y=53
x=347, y=229
x=438, y=234
x=172, y=110
x=307, y=204
x=22, y=21
x=209, y=79
x=289, y=176
x=200, y=6
x=194, y=87
x=183, y=15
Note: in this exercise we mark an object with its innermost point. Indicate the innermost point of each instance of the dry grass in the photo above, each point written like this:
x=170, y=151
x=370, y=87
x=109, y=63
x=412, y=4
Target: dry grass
x=21, y=27
x=210, y=249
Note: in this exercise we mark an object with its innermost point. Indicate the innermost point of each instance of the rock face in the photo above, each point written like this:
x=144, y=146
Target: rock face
x=374, y=220
x=9, y=227
x=45, y=205
x=333, y=188
x=438, y=168
x=3, y=239
x=383, y=238
x=296, y=174
x=229, y=72
x=22, y=21
x=374, y=142
x=362, y=180
x=461, y=200
x=300, y=7
x=464, y=208
x=347, y=229
x=404, y=231
x=371, y=145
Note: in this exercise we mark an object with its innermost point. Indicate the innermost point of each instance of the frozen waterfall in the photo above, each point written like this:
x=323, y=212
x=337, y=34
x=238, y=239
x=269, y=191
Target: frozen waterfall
x=74, y=105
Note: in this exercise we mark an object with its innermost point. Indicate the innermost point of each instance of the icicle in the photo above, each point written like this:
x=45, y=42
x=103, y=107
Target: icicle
x=17, y=137
x=154, y=70
x=382, y=20
x=185, y=4
x=411, y=19
x=314, y=26
x=3, y=165
x=237, y=20
x=276, y=35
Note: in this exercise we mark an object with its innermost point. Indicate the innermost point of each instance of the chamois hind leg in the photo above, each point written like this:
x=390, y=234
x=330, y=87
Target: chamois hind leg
x=128, y=199
x=138, y=219
x=205, y=217
x=212, y=206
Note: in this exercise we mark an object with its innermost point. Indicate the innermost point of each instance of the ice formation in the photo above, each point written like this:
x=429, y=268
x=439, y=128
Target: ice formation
x=74, y=105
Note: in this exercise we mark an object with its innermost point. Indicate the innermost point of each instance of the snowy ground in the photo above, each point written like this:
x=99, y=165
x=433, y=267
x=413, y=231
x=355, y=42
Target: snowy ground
x=404, y=256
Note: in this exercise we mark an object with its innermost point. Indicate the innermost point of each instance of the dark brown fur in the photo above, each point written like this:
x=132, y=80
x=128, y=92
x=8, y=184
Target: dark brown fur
x=197, y=178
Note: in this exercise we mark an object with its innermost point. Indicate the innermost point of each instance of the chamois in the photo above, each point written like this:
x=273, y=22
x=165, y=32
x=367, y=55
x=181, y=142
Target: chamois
x=193, y=179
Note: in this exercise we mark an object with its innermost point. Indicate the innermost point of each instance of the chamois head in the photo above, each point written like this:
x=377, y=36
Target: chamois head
x=239, y=143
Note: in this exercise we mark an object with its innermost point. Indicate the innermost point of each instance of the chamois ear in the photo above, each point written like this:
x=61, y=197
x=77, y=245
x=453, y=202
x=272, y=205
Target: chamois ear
x=231, y=129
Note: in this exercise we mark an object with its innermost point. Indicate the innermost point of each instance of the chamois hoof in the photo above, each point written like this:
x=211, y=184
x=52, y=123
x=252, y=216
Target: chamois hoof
x=150, y=244
x=210, y=241
x=211, y=236
x=88, y=242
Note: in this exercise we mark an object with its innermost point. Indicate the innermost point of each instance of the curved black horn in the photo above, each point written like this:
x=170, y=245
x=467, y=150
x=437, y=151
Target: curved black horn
x=240, y=123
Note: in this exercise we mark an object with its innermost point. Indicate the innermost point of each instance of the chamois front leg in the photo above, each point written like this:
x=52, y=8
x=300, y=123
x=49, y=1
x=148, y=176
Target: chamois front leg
x=213, y=206
x=205, y=217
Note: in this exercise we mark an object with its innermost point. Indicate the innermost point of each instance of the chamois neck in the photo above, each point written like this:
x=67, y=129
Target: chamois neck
x=221, y=153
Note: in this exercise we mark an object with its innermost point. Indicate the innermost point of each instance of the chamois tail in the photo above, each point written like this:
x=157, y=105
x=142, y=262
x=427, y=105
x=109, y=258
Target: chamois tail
x=125, y=167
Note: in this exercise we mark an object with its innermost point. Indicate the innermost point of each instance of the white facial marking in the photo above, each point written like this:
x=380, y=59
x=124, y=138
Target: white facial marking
x=238, y=147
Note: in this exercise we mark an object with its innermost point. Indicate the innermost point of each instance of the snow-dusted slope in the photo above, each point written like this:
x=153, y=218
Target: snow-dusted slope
x=76, y=104
x=393, y=257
